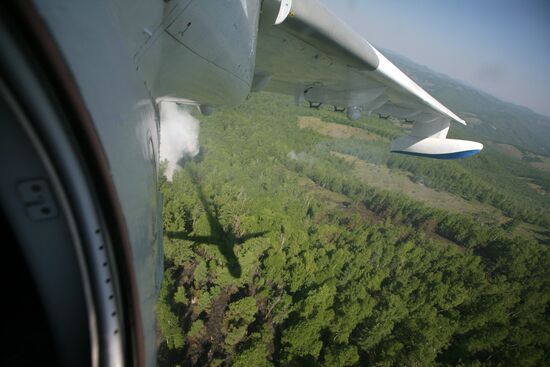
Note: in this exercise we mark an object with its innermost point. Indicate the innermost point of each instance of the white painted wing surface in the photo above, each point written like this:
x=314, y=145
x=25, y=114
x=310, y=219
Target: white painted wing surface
x=314, y=56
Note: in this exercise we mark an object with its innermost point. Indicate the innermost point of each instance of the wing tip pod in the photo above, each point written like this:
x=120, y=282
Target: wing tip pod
x=435, y=147
x=446, y=156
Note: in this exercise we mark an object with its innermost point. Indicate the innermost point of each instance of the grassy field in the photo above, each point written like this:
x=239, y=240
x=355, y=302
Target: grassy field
x=544, y=163
x=535, y=160
x=508, y=150
x=400, y=181
x=337, y=131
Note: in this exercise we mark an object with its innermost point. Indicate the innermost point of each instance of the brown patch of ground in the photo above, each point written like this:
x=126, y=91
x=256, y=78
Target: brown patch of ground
x=337, y=202
x=532, y=184
x=332, y=199
x=544, y=165
x=535, y=160
x=342, y=204
x=333, y=130
x=400, y=181
x=534, y=232
x=508, y=150
x=213, y=335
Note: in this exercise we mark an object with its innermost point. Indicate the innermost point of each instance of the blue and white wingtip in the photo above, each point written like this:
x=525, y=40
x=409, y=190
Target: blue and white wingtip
x=435, y=147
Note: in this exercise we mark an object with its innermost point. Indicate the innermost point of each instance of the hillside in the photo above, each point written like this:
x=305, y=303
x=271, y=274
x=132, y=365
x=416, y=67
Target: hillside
x=488, y=117
x=296, y=239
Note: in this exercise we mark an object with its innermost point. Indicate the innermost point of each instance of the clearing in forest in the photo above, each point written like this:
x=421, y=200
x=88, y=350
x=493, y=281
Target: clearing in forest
x=508, y=150
x=543, y=165
x=382, y=177
x=535, y=160
x=337, y=131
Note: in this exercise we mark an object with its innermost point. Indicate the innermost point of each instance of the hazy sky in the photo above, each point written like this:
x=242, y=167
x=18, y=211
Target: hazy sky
x=499, y=46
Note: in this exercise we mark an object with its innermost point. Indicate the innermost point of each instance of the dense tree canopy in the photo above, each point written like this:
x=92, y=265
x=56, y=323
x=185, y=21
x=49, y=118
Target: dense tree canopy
x=277, y=254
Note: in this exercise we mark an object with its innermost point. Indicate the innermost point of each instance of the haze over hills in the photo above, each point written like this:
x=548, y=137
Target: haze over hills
x=488, y=118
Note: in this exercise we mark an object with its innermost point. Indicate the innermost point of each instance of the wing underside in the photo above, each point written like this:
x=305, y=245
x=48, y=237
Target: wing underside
x=314, y=56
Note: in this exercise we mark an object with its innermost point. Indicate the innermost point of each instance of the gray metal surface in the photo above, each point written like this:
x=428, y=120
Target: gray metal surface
x=67, y=250
x=46, y=243
x=204, y=51
x=123, y=111
x=313, y=51
x=315, y=25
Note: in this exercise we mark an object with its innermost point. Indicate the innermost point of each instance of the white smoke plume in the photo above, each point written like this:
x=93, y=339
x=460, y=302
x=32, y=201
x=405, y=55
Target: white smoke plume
x=302, y=156
x=179, y=135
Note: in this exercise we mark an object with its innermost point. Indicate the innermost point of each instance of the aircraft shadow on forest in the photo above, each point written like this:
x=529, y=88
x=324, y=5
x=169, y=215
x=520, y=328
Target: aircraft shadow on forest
x=224, y=240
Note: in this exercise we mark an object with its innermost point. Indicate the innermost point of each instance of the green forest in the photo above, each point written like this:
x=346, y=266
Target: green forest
x=295, y=238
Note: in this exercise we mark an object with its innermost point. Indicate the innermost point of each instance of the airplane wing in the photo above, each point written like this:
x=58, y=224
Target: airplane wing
x=309, y=53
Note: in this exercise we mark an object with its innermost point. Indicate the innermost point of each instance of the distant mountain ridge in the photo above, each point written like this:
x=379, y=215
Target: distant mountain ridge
x=488, y=118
